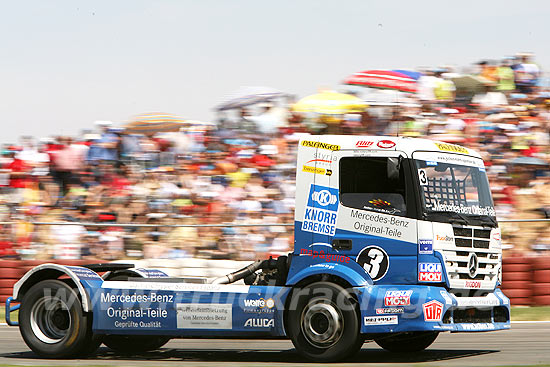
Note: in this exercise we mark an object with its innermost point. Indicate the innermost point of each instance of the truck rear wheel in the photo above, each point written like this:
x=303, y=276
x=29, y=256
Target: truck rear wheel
x=53, y=324
x=134, y=343
x=407, y=342
x=323, y=322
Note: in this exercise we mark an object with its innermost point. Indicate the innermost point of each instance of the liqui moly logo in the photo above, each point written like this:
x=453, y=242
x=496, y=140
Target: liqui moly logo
x=429, y=272
x=364, y=144
x=433, y=311
x=397, y=298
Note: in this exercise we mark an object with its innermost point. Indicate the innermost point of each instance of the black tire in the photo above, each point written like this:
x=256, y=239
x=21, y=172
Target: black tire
x=134, y=343
x=407, y=342
x=323, y=322
x=53, y=324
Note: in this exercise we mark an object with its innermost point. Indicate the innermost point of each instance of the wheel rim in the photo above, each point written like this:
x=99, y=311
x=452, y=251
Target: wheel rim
x=322, y=324
x=50, y=320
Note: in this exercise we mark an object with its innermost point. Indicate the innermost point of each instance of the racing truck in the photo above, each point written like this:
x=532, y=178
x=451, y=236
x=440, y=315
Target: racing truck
x=395, y=241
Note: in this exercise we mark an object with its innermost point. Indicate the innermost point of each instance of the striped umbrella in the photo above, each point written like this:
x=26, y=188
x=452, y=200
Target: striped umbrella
x=401, y=80
x=154, y=122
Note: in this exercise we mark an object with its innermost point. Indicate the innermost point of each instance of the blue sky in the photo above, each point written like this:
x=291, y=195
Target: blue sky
x=65, y=64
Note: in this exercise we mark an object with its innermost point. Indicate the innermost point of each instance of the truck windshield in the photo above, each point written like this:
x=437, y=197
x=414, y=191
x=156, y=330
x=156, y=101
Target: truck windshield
x=456, y=191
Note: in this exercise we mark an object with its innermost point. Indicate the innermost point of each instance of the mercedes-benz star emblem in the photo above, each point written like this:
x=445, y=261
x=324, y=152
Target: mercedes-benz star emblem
x=473, y=265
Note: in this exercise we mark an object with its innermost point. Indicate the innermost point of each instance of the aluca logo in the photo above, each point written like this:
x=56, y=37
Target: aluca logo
x=259, y=323
x=324, y=197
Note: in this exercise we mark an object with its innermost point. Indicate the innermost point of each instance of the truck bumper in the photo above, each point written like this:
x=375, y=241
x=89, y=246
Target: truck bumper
x=390, y=309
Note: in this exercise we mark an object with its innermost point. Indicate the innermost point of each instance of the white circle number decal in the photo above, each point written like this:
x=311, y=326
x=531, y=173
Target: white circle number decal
x=375, y=261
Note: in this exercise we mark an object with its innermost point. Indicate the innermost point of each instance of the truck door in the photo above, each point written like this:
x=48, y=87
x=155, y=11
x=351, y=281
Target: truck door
x=374, y=226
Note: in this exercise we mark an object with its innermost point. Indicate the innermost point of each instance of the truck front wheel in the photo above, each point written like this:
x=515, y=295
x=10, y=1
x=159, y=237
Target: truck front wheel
x=407, y=342
x=323, y=322
x=53, y=324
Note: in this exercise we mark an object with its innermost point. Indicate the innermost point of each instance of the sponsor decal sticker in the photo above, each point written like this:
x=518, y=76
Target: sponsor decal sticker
x=317, y=170
x=383, y=311
x=473, y=284
x=429, y=272
x=397, y=298
x=364, y=144
x=204, y=316
x=379, y=203
x=260, y=303
x=473, y=209
x=433, y=311
x=451, y=148
x=152, y=273
x=322, y=159
x=478, y=326
x=385, y=144
x=381, y=206
x=446, y=297
x=380, y=320
x=261, y=323
x=321, y=210
x=309, y=169
x=379, y=224
x=83, y=273
x=375, y=261
x=443, y=238
x=318, y=144
x=327, y=257
x=180, y=287
x=491, y=299
x=425, y=246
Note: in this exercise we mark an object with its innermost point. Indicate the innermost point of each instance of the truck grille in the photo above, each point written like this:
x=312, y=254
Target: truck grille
x=469, y=240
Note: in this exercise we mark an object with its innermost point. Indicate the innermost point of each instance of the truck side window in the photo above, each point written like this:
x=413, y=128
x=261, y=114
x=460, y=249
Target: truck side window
x=364, y=184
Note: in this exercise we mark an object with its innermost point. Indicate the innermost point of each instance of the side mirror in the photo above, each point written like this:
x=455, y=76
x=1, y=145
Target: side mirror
x=392, y=168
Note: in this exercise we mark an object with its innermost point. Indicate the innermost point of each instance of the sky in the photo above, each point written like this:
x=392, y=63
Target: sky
x=65, y=64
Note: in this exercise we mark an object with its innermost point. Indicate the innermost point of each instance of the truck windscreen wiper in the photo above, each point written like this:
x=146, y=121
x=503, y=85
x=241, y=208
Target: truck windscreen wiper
x=454, y=217
x=485, y=219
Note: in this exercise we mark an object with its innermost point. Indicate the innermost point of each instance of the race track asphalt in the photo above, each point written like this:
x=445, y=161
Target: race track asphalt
x=524, y=344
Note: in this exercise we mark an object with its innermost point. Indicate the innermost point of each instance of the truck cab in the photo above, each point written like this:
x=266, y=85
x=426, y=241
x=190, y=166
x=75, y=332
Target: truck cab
x=397, y=206
x=415, y=215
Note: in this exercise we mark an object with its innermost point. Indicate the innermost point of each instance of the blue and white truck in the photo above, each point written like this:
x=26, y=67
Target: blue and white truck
x=396, y=240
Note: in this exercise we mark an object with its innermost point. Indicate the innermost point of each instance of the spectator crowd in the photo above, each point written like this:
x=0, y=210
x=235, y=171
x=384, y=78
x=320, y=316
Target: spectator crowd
x=234, y=172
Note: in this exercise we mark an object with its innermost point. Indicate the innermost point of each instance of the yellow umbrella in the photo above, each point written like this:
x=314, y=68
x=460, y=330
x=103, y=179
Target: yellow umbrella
x=330, y=103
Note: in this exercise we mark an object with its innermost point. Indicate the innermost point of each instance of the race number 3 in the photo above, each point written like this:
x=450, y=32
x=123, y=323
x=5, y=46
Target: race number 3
x=375, y=261
x=422, y=176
